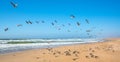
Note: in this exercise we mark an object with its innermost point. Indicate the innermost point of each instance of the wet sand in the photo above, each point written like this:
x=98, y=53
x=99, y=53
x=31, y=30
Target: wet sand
x=108, y=51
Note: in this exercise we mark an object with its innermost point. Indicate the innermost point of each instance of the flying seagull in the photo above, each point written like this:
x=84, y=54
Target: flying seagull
x=88, y=33
x=55, y=21
x=13, y=4
x=6, y=29
x=37, y=22
x=52, y=23
x=30, y=22
x=19, y=25
x=69, y=24
x=88, y=30
x=59, y=28
x=87, y=21
x=63, y=25
x=68, y=30
x=43, y=21
x=72, y=16
x=27, y=22
x=101, y=29
x=78, y=23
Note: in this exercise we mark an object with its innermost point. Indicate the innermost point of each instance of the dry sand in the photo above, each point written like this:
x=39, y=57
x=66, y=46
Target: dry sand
x=95, y=52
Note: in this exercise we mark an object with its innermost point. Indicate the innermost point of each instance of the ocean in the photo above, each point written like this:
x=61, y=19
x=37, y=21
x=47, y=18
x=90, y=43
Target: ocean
x=7, y=46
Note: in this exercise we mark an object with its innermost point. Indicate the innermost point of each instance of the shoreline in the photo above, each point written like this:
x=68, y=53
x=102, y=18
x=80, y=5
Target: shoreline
x=53, y=46
x=9, y=48
x=107, y=51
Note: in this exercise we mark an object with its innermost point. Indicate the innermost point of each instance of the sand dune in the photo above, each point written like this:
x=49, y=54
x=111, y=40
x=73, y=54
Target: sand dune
x=95, y=52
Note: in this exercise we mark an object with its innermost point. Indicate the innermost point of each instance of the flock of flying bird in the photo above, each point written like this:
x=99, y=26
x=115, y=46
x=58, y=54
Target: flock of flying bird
x=53, y=23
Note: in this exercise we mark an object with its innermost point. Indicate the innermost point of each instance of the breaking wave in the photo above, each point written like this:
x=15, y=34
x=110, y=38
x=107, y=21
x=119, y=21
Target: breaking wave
x=7, y=46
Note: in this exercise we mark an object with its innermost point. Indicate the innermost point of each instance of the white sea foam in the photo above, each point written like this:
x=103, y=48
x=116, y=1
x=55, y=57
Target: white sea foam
x=39, y=43
x=39, y=40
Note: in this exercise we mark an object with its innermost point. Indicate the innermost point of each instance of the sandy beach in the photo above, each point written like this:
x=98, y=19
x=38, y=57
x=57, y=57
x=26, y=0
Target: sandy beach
x=108, y=51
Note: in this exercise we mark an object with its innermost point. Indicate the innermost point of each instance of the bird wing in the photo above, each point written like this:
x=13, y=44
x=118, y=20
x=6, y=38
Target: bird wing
x=12, y=4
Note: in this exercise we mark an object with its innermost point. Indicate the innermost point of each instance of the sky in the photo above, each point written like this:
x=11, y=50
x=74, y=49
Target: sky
x=103, y=15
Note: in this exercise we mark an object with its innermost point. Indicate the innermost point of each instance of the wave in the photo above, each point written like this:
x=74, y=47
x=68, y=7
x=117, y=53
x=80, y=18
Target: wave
x=47, y=40
x=39, y=43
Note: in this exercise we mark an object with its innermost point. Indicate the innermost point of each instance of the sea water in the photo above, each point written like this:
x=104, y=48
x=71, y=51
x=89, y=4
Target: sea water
x=7, y=46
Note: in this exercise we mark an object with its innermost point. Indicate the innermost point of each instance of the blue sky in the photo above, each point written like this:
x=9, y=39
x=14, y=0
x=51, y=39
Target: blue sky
x=104, y=17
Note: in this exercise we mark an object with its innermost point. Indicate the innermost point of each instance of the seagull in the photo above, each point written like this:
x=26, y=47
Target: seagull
x=59, y=28
x=87, y=21
x=6, y=29
x=52, y=23
x=30, y=22
x=78, y=23
x=68, y=30
x=63, y=25
x=27, y=22
x=88, y=33
x=19, y=25
x=69, y=24
x=72, y=16
x=43, y=21
x=55, y=21
x=88, y=30
x=37, y=22
x=101, y=29
x=13, y=4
